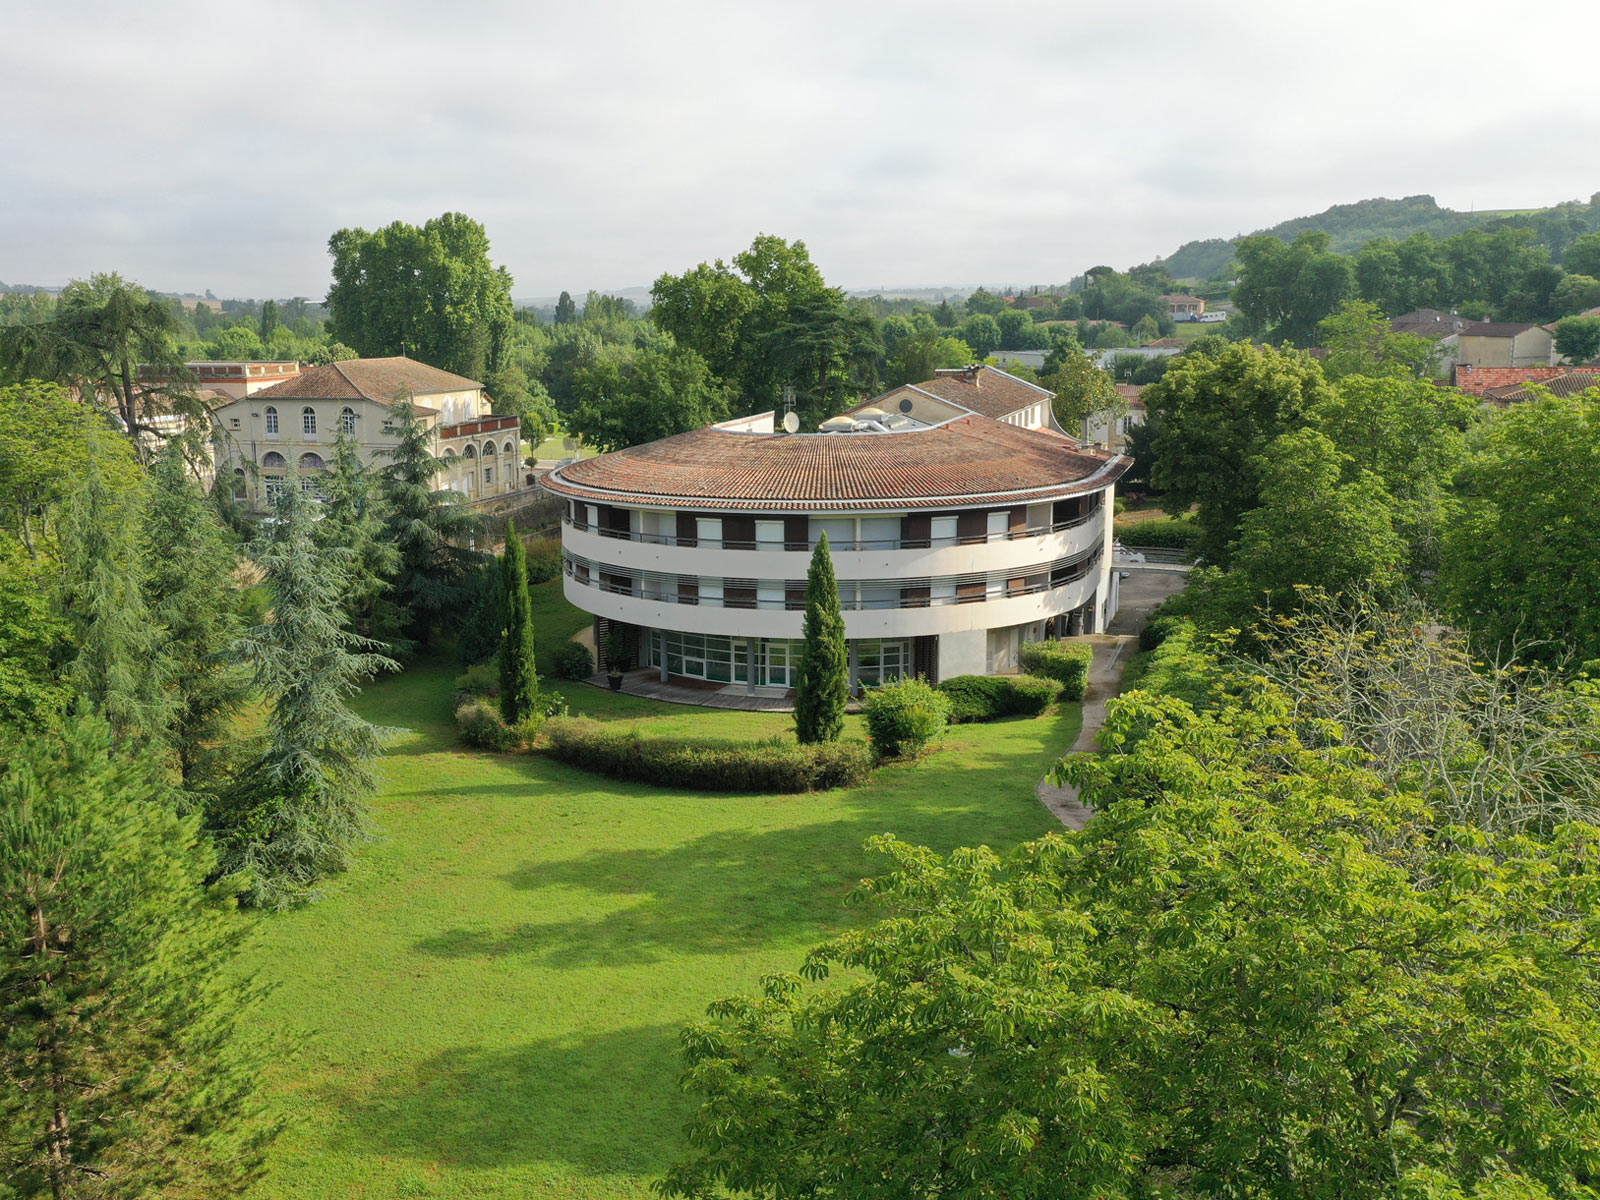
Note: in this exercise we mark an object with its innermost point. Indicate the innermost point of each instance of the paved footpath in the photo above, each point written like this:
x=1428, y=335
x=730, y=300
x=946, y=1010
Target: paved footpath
x=1111, y=654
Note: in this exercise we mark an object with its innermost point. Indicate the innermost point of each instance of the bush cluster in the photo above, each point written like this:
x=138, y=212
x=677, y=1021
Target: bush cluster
x=571, y=660
x=905, y=717
x=479, y=723
x=776, y=765
x=1065, y=662
x=480, y=679
x=989, y=697
x=1159, y=629
x=1172, y=533
x=544, y=560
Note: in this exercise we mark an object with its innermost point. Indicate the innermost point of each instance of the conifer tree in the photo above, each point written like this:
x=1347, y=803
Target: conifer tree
x=427, y=527
x=121, y=670
x=190, y=593
x=297, y=807
x=519, y=680
x=822, y=684
x=125, y=1051
x=483, y=626
x=350, y=521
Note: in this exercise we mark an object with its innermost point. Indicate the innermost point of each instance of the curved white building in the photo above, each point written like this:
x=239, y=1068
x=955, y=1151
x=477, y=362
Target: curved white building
x=962, y=523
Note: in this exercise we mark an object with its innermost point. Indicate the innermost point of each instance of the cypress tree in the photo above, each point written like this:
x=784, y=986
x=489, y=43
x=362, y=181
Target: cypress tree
x=189, y=589
x=121, y=670
x=350, y=522
x=822, y=684
x=129, y=1066
x=297, y=807
x=519, y=681
x=426, y=527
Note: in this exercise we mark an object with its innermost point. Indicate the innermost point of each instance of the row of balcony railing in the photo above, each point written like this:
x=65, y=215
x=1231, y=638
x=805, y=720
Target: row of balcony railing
x=855, y=595
x=894, y=543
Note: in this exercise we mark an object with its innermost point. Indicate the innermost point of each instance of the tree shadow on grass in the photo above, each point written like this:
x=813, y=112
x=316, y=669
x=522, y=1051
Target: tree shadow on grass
x=605, y=1104
x=731, y=890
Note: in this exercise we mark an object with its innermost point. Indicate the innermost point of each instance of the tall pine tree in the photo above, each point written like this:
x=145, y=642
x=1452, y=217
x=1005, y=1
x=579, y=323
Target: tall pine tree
x=121, y=670
x=298, y=806
x=483, y=625
x=190, y=593
x=519, y=680
x=822, y=684
x=427, y=527
x=350, y=522
x=128, y=1063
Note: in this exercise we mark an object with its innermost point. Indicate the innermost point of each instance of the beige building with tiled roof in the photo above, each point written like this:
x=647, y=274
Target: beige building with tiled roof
x=962, y=521
x=290, y=428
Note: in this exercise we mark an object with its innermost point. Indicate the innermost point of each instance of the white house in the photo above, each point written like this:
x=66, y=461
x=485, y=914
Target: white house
x=962, y=523
x=295, y=423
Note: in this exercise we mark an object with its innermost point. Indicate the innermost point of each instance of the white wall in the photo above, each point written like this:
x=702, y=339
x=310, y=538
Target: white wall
x=963, y=653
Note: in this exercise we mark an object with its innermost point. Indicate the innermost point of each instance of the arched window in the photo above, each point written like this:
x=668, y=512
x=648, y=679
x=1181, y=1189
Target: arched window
x=488, y=449
x=347, y=420
x=272, y=459
x=449, y=455
x=511, y=447
x=311, y=462
x=272, y=419
x=308, y=419
x=469, y=452
x=238, y=483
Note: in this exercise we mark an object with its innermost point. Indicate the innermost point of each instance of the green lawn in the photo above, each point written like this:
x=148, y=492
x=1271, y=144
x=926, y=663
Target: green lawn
x=488, y=1003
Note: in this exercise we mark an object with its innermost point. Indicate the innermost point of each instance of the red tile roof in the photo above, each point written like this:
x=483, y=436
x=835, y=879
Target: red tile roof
x=1569, y=383
x=985, y=390
x=381, y=379
x=968, y=461
x=1478, y=381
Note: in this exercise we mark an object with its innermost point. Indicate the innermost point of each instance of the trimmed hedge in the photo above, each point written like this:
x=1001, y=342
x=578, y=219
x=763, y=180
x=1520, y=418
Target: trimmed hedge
x=479, y=723
x=1158, y=630
x=990, y=697
x=570, y=660
x=1172, y=533
x=1065, y=662
x=771, y=766
x=905, y=717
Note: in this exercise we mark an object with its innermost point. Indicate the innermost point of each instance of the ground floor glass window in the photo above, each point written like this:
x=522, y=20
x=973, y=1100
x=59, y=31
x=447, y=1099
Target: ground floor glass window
x=879, y=660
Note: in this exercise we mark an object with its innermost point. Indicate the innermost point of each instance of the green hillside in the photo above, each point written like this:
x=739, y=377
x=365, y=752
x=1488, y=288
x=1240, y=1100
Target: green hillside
x=1353, y=225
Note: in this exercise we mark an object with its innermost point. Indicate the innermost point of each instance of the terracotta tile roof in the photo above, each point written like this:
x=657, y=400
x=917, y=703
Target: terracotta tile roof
x=1570, y=383
x=1478, y=381
x=988, y=391
x=1164, y=344
x=970, y=460
x=380, y=379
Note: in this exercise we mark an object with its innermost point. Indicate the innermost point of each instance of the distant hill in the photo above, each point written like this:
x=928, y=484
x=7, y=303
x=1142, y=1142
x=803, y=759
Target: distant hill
x=1351, y=226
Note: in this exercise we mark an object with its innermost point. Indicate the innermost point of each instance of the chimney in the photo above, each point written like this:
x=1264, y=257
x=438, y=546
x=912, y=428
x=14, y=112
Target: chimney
x=970, y=375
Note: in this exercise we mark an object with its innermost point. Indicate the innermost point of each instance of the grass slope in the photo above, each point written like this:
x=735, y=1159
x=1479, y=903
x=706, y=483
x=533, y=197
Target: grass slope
x=488, y=1003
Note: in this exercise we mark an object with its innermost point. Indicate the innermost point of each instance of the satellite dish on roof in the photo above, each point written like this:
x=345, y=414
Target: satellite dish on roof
x=791, y=423
x=905, y=404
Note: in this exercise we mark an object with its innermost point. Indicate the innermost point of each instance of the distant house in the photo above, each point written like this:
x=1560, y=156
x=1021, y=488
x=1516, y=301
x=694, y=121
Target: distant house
x=1113, y=434
x=1569, y=383
x=1184, y=308
x=1481, y=381
x=1164, y=344
x=1505, y=344
x=296, y=422
x=1430, y=323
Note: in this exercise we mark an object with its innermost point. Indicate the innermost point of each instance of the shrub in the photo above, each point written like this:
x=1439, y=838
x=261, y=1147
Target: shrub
x=905, y=717
x=776, y=765
x=1066, y=662
x=544, y=560
x=479, y=723
x=1157, y=630
x=571, y=660
x=480, y=679
x=1172, y=533
x=988, y=697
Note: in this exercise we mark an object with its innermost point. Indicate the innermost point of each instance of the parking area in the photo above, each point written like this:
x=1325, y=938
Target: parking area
x=1140, y=592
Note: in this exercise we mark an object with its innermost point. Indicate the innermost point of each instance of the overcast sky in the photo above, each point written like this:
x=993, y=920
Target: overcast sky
x=217, y=144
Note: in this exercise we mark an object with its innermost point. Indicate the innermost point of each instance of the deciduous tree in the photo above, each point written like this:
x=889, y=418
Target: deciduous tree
x=624, y=399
